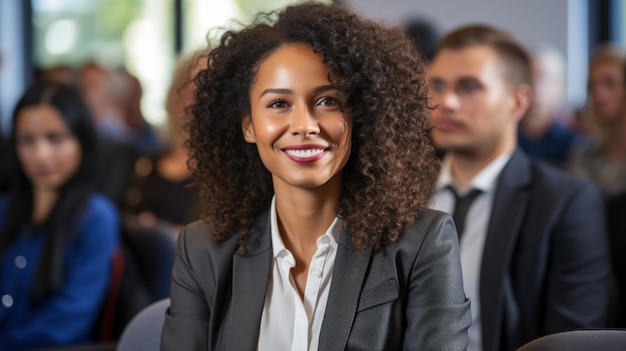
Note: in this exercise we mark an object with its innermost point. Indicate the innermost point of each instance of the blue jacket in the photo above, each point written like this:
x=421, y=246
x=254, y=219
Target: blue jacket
x=68, y=316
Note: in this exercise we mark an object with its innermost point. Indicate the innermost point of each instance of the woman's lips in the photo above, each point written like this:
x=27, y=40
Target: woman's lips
x=43, y=172
x=305, y=153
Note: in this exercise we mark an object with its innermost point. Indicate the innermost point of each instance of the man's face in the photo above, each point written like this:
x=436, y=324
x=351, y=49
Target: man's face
x=475, y=107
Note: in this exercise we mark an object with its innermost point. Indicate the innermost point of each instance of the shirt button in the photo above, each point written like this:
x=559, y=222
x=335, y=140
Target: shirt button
x=325, y=240
x=7, y=301
x=20, y=262
x=317, y=274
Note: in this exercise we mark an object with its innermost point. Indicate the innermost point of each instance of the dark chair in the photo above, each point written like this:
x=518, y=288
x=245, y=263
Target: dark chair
x=147, y=255
x=143, y=333
x=580, y=340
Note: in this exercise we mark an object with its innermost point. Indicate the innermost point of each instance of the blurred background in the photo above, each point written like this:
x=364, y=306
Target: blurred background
x=132, y=60
x=145, y=37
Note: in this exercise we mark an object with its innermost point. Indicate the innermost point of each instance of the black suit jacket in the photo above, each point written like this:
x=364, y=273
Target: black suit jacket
x=545, y=264
x=407, y=295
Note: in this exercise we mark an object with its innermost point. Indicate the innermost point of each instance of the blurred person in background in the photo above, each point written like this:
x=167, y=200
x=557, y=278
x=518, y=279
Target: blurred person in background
x=532, y=237
x=424, y=35
x=128, y=95
x=160, y=188
x=544, y=132
x=57, y=235
x=616, y=224
x=117, y=153
x=60, y=73
x=602, y=160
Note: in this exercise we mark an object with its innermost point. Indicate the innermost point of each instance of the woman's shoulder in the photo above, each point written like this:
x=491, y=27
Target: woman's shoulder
x=429, y=220
x=431, y=227
x=99, y=215
x=200, y=234
x=196, y=240
x=100, y=205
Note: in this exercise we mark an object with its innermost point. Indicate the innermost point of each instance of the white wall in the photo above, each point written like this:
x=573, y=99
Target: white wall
x=530, y=21
x=12, y=68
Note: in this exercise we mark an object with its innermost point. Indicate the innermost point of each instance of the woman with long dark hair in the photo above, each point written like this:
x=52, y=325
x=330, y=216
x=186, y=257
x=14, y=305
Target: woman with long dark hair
x=310, y=144
x=56, y=234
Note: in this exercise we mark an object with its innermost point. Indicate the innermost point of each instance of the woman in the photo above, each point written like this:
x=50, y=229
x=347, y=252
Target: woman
x=601, y=159
x=56, y=234
x=310, y=145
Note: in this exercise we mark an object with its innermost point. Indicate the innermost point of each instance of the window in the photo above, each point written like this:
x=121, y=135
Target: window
x=135, y=34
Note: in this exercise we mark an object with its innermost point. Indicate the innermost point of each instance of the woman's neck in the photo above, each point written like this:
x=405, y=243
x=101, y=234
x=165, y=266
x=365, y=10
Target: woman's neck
x=43, y=203
x=305, y=214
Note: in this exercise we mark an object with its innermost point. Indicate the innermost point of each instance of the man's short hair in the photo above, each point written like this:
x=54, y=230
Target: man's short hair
x=515, y=60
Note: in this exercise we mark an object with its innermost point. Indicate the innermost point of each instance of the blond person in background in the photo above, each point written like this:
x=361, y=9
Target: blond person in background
x=602, y=160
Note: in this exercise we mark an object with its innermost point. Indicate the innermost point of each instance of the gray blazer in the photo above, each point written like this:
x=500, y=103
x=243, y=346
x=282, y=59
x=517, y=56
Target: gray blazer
x=408, y=295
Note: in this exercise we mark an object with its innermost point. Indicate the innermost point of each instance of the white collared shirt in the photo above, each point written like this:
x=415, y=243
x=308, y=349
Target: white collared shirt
x=473, y=238
x=288, y=321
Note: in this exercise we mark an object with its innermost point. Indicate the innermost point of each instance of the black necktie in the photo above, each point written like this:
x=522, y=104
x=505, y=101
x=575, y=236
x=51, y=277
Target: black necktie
x=462, y=204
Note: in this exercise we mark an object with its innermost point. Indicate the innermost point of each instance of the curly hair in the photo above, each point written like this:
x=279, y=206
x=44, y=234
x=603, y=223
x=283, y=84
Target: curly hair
x=389, y=177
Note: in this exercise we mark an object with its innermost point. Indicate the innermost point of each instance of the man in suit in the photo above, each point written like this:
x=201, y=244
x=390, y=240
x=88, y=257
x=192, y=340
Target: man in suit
x=533, y=247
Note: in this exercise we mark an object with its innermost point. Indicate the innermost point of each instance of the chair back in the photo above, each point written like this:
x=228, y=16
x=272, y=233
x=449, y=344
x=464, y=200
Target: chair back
x=580, y=340
x=143, y=333
x=141, y=276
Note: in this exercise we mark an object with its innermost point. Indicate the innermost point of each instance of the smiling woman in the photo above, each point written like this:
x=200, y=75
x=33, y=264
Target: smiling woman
x=302, y=135
x=310, y=145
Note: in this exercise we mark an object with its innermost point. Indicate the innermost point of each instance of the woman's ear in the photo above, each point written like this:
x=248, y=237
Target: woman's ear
x=248, y=129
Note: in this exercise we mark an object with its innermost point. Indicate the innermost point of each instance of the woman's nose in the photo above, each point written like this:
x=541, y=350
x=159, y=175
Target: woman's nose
x=304, y=122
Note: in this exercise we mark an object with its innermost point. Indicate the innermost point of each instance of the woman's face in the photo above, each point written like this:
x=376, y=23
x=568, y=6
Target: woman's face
x=302, y=136
x=48, y=152
x=606, y=91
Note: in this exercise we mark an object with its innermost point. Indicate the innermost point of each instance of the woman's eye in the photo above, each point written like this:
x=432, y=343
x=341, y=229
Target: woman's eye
x=469, y=87
x=278, y=104
x=328, y=101
x=437, y=88
x=56, y=138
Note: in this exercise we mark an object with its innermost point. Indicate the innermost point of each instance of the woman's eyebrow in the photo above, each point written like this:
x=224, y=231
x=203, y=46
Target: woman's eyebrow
x=276, y=91
x=323, y=88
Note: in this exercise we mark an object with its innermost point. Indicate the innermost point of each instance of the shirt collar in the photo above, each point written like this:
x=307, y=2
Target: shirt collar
x=278, y=245
x=485, y=180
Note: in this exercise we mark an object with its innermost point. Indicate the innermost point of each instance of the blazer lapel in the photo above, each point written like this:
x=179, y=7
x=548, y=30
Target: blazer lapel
x=250, y=277
x=343, y=297
x=509, y=208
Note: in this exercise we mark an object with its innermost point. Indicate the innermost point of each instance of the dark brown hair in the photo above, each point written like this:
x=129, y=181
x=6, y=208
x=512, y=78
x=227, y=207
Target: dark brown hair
x=514, y=58
x=389, y=176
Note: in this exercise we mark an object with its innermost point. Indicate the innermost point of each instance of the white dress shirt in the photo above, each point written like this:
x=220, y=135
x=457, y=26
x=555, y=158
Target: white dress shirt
x=288, y=321
x=475, y=231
